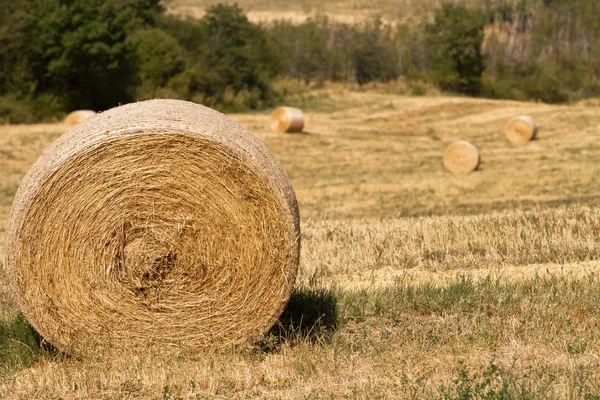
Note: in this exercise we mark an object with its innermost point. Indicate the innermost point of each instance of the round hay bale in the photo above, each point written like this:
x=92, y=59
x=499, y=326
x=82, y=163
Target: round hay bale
x=77, y=117
x=461, y=156
x=287, y=120
x=520, y=130
x=159, y=224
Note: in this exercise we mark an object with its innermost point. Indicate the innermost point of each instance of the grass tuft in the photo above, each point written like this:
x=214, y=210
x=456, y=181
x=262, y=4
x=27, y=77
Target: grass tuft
x=20, y=345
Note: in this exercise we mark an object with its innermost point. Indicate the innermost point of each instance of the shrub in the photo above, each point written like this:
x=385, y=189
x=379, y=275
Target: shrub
x=158, y=57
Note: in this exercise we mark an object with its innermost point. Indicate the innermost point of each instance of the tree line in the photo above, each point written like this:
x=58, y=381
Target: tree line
x=60, y=55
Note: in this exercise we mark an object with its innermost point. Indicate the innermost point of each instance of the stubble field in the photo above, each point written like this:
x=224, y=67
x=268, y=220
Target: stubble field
x=340, y=11
x=413, y=282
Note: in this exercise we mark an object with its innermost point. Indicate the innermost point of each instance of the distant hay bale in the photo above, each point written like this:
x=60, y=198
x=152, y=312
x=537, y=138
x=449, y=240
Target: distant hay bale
x=520, y=130
x=77, y=117
x=160, y=224
x=462, y=157
x=287, y=120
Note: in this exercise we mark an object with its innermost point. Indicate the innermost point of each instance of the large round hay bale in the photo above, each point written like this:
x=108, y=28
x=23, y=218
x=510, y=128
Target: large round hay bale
x=287, y=120
x=520, y=130
x=77, y=117
x=159, y=224
x=462, y=157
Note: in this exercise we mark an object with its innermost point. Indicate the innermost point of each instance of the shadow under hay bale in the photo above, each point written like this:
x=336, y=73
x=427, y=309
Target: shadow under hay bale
x=309, y=315
x=20, y=344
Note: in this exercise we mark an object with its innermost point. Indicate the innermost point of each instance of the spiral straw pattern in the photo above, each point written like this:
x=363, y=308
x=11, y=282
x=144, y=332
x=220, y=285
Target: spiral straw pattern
x=287, y=120
x=159, y=224
x=461, y=157
x=520, y=130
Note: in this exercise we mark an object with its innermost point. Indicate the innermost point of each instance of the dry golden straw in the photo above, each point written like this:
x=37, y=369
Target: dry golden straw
x=160, y=224
x=287, y=120
x=520, y=130
x=77, y=117
x=462, y=157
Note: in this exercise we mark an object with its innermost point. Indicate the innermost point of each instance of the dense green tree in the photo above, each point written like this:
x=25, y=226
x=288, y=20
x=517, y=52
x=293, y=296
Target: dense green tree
x=14, y=69
x=236, y=51
x=77, y=50
x=454, y=40
x=230, y=62
x=158, y=57
x=376, y=55
x=189, y=34
x=146, y=12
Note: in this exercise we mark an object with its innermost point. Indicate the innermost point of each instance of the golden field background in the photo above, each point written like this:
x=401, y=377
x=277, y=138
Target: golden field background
x=346, y=11
x=413, y=282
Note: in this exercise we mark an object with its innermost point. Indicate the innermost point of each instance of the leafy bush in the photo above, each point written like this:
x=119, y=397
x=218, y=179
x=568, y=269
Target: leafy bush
x=158, y=57
x=13, y=110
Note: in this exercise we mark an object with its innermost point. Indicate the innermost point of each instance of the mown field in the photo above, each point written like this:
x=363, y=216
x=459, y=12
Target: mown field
x=346, y=11
x=414, y=283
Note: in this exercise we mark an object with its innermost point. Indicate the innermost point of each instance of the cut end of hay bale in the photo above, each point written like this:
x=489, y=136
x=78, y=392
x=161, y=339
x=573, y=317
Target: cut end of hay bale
x=161, y=224
x=287, y=120
x=520, y=130
x=77, y=117
x=461, y=157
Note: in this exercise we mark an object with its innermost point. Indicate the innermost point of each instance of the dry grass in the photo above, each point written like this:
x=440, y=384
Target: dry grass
x=373, y=253
x=537, y=338
x=367, y=155
x=486, y=298
x=342, y=11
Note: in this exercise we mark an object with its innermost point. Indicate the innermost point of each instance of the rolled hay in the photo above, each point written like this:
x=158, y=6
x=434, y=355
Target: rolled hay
x=520, y=130
x=77, y=117
x=287, y=120
x=161, y=224
x=461, y=157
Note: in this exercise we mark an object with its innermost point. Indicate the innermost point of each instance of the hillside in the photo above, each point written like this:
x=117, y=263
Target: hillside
x=375, y=155
x=367, y=155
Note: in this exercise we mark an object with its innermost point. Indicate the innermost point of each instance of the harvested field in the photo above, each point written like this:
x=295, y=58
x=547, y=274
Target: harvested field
x=346, y=12
x=367, y=155
x=413, y=282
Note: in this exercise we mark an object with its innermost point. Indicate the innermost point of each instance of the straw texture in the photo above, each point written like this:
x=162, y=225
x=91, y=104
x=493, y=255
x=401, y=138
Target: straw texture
x=160, y=224
x=520, y=130
x=461, y=157
x=287, y=120
x=77, y=117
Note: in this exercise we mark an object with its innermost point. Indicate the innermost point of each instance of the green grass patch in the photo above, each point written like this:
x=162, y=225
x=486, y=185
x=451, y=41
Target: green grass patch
x=20, y=345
